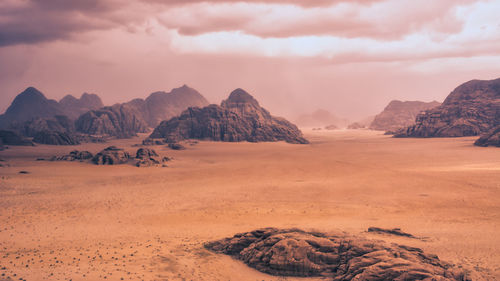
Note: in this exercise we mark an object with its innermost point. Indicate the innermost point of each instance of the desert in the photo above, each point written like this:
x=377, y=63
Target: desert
x=70, y=220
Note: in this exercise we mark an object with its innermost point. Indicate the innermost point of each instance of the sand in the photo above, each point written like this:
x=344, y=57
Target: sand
x=78, y=221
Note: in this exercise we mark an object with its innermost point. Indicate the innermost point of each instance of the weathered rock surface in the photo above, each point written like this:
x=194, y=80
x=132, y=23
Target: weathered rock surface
x=74, y=155
x=55, y=138
x=148, y=157
x=293, y=252
x=57, y=123
x=400, y=114
x=74, y=107
x=393, y=231
x=120, y=121
x=12, y=138
x=111, y=156
x=492, y=138
x=239, y=118
x=473, y=108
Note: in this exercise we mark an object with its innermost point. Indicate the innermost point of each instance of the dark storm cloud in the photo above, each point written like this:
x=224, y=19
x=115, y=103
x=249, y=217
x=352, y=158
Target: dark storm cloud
x=33, y=21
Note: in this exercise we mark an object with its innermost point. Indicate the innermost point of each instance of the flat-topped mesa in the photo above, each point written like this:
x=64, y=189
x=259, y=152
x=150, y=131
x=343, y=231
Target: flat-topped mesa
x=238, y=118
x=473, y=108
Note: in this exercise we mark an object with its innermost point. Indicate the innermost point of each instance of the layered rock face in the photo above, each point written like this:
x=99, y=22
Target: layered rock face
x=293, y=252
x=74, y=107
x=74, y=155
x=239, y=118
x=473, y=108
x=58, y=123
x=111, y=156
x=400, y=114
x=121, y=121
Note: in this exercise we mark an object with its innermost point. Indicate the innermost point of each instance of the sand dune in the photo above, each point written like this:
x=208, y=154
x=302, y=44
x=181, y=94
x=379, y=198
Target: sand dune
x=78, y=221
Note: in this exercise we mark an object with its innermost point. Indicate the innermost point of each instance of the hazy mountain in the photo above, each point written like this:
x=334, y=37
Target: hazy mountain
x=400, y=114
x=74, y=107
x=321, y=118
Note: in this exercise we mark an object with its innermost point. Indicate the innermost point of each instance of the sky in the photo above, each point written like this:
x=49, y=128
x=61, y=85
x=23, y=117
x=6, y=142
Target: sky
x=348, y=57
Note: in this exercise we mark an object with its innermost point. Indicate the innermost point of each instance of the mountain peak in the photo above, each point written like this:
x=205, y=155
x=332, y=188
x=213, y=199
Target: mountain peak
x=240, y=96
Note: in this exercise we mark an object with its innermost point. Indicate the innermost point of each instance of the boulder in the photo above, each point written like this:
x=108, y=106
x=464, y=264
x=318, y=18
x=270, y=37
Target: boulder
x=293, y=252
x=473, y=108
x=146, y=157
x=239, y=118
x=176, y=146
x=55, y=138
x=111, y=156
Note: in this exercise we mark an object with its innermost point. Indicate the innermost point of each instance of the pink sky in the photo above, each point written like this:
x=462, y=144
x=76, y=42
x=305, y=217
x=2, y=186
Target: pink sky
x=349, y=57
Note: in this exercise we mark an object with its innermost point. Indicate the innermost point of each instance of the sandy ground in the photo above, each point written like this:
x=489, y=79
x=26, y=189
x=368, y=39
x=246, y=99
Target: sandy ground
x=78, y=221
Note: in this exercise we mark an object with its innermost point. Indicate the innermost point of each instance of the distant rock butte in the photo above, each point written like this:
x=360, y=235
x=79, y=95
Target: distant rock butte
x=293, y=252
x=239, y=118
x=111, y=156
x=321, y=117
x=355, y=126
x=473, y=108
x=400, y=114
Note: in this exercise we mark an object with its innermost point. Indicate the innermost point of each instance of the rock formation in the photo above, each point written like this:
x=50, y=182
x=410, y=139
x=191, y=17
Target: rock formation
x=473, y=108
x=12, y=138
x=239, y=118
x=55, y=138
x=147, y=157
x=28, y=105
x=57, y=123
x=293, y=252
x=121, y=121
x=111, y=156
x=492, y=138
x=355, y=126
x=400, y=114
x=74, y=107
x=161, y=106
x=331, y=127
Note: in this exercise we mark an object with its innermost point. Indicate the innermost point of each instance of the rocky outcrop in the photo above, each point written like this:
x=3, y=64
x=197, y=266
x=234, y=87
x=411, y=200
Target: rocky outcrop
x=74, y=155
x=74, y=107
x=28, y=105
x=331, y=127
x=161, y=105
x=293, y=252
x=12, y=138
x=55, y=138
x=400, y=114
x=492, y=138
x=147, y=157
x=57, y=123
x=473, y=108
x=239, y=118
x=111, y=156
x=120, y=121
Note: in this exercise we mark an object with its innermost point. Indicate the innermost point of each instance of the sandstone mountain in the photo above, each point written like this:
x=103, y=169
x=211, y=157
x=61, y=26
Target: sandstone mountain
x=400, y=114
x=120, y=120
x=160, y=106
x=29, y=104
x=57, y=123
x=321, y=118
x=74, y=107
x=239, y=118
x=294, y=252
x=473, y=108
x=492, y=138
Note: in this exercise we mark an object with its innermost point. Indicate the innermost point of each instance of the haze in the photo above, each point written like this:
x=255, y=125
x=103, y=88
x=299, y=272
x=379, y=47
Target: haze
x=349, y=57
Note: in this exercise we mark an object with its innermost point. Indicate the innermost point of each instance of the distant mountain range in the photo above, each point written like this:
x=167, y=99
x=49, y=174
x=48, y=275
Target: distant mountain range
x=321, y=118
x=400, y=114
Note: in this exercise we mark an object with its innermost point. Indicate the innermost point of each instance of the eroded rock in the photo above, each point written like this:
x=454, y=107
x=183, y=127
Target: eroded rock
x=111, y=156
x=293, y=252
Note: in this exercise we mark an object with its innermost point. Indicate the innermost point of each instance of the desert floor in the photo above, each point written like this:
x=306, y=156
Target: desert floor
x=78, y=221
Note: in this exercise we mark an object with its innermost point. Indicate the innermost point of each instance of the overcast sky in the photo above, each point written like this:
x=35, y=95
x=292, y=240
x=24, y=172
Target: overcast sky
x=349, y=57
